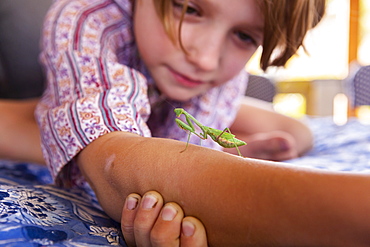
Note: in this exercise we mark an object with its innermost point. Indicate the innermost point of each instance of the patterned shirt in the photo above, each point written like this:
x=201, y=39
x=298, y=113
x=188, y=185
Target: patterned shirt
x=96, y=84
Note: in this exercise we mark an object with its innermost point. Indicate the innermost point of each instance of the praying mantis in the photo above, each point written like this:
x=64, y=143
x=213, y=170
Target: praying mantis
x=223, y=137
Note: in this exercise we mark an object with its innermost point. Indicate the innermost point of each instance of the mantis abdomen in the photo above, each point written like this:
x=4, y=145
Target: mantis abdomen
x=223, y=138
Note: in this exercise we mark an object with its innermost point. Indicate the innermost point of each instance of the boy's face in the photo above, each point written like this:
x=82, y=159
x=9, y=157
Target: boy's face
x=219, y=37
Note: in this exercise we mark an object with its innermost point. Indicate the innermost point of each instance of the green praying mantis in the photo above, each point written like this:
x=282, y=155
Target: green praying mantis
x=223, y=137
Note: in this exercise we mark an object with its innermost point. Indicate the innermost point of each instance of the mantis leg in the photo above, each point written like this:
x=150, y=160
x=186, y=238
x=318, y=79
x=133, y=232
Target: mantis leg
x=239, y=153
x=190, y=128
x=187, y=143
x=227, y=130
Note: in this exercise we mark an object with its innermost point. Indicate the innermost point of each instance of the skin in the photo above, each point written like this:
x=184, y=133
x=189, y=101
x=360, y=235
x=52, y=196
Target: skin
x=219, y=38
x=269, y=135
x=211, y=37
x=256, y=202
x=147, y=221
x=150, y=230
x=18, y=123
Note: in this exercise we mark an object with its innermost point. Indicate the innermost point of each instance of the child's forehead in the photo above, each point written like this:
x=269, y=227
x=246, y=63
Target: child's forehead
x=229, y=3
x=246, y=11
x=241, y=13
x=219, y=6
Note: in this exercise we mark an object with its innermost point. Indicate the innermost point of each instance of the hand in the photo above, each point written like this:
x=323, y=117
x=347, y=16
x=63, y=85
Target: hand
x=274, y=145
x=148, y=222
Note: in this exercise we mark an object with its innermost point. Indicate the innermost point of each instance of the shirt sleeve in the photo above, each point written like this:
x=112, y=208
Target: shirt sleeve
x=90, y=92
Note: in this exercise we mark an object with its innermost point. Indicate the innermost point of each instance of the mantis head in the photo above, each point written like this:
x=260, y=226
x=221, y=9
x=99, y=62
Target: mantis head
x=179, y=111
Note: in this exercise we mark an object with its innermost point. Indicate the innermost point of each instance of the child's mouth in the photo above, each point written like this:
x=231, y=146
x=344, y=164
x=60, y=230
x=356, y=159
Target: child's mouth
x=184, y=80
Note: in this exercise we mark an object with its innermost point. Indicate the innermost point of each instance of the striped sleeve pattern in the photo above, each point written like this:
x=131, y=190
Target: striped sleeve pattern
x=90, y=92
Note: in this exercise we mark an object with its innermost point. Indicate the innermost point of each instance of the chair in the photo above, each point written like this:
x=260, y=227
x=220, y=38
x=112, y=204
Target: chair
x=361, y=87
x=260, y=87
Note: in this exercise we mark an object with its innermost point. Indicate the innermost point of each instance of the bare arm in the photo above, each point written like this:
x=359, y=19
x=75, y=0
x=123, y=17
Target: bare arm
x=239, y=200
x=19, y=134
x=258, y=118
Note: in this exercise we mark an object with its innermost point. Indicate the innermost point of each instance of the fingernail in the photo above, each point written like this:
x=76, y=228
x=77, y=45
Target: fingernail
x=149, y=201
x=188, y=228
x=131, y=202
x=169, y=213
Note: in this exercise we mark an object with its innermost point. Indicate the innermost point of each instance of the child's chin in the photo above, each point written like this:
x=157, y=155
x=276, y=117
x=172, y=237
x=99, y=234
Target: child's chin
x=181, y=98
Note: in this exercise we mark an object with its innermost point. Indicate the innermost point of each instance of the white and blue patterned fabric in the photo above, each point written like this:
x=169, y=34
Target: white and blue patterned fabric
x=35, y=213
x=338, y=148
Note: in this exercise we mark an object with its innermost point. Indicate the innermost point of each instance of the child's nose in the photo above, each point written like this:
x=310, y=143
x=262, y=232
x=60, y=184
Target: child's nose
x=205, y=51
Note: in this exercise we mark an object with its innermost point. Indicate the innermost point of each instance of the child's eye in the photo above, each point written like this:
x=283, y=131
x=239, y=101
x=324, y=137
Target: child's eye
x=179, y=5
x=245, y=38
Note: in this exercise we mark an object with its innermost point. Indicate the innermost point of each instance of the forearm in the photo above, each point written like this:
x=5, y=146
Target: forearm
x=192, y=178
x=239, y=200
x=253, y=119
x=300, y=131
x=19, y=133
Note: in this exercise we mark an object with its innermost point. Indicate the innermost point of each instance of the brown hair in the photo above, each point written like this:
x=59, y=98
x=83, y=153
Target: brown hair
x=286, y=25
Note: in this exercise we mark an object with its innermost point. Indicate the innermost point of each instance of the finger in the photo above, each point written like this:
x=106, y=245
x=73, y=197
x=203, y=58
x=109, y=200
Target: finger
x=193, y=233
x=146, y=216
x=167, y=229
x=283, y=149
x=128, y=218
